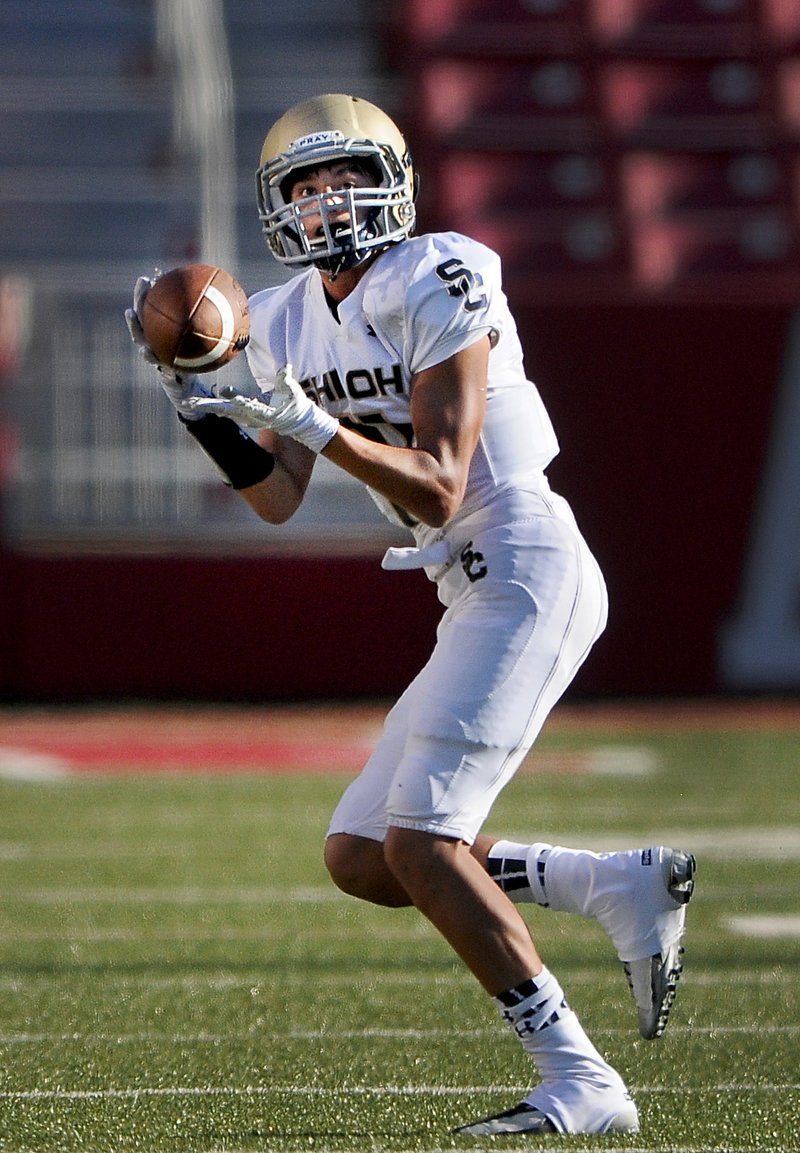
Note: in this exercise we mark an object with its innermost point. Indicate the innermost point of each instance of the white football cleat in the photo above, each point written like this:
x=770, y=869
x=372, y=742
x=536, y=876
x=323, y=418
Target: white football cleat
x=653, y=979
x=527, y=1118
x=523, y=1118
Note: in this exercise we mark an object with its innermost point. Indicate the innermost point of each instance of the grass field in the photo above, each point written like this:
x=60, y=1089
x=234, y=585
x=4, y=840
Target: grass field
x=177, y=974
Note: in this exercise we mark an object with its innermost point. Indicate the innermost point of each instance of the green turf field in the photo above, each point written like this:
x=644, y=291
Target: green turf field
x=177, y=974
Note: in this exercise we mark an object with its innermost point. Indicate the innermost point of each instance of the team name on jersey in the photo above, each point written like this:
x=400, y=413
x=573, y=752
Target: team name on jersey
x=356, y=384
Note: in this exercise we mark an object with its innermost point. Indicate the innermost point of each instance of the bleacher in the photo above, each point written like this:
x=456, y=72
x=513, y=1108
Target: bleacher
x=97, y=186
x=613, y=149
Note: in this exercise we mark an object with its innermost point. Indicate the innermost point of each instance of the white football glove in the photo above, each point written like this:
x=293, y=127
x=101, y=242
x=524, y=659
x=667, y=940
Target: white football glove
x=178, y=386
x=286, y=410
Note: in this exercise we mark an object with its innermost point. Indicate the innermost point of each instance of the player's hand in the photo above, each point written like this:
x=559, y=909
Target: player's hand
x=178, y=386
x=285, y=410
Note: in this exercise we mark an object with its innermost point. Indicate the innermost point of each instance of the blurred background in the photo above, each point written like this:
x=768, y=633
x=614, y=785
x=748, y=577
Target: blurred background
x=636, y=163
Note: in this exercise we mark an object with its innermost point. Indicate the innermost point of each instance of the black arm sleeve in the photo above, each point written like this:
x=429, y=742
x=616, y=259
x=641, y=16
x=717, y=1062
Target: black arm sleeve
x=240, y=458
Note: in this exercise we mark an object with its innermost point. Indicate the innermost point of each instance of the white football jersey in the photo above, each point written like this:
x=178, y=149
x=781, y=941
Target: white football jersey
x=422, y=301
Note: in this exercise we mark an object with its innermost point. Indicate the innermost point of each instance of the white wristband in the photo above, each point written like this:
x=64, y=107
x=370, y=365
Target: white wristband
x=316, y=428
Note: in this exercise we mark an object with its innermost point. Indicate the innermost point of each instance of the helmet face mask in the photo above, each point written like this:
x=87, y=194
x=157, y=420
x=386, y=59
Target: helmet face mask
x=356, y=221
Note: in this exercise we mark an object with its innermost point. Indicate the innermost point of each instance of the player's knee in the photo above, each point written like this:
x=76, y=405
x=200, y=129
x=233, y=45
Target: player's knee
x=415, y=858
x=357, y=867
x=342, y=863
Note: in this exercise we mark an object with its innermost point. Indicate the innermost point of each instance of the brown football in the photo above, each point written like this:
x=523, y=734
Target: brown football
x=195, y=318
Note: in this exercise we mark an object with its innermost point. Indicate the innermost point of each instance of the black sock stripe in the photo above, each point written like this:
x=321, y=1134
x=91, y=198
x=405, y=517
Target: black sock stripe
x=509, y=873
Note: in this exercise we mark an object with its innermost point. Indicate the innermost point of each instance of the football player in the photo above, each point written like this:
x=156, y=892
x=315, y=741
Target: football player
x=396, y=357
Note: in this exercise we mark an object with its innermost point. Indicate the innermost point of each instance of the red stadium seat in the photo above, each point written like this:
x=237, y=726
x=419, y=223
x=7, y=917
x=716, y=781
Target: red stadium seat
x=477, y=191
x=546, y=104
x=788, y=86
x=658, y=184
x=734, y=250
x=699, y=106
x=489, y=27
x=780, y=27
x=674, y=28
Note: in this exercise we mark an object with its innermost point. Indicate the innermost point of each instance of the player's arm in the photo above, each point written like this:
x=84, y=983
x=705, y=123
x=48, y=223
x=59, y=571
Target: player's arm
x=271, y=474
x=448, y=402
x=279, y=496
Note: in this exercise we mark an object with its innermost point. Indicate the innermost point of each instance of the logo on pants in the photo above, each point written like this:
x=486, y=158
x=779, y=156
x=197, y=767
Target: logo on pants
x=473, y=563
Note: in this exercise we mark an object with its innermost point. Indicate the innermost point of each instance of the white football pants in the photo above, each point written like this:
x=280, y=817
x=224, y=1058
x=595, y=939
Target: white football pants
x=525, y=603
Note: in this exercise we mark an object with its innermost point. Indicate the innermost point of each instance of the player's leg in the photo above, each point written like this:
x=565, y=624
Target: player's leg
x=354, y=844
x=489, y=669
x=450, y=888
x=638, y=896
x=502, y=659
x=357, y=866
x=579, y=1092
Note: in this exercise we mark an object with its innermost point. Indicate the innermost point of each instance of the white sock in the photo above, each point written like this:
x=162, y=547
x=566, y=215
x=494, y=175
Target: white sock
x=624, y=891
x=551, y=1033
x=578, y=1087
x=533, y=1006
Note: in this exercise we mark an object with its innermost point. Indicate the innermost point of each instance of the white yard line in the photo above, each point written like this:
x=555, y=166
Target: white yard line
x=758, y=843
x=337, y=1035
x=766, y=978
x=771, y=926
x=357, y=1091
x=195, y=895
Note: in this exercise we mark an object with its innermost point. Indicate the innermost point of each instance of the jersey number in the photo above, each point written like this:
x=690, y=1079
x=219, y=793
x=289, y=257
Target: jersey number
x=461, y=282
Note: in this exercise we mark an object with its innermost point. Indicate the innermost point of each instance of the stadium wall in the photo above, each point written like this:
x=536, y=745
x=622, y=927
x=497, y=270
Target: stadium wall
x=664, y=416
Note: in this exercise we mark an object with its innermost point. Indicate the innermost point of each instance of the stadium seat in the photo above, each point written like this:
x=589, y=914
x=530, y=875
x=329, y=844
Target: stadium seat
x=722, y=254
x=544, y=104
x=674, y=28
x=486, y=28
x=780, y=26
x=699, y=105
x=576, y=243
x=473, y=186
x=654, y=183
x=788, y=93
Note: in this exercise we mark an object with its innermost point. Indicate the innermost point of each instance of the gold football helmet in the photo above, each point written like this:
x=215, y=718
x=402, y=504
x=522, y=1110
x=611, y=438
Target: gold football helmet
x=325, y=130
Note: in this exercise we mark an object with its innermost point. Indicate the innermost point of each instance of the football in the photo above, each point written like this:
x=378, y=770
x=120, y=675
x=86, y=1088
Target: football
x=195, y=318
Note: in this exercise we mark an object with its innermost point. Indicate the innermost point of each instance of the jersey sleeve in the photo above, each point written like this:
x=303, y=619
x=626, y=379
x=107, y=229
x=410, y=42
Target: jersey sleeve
x=266, y=349
x=453, y=300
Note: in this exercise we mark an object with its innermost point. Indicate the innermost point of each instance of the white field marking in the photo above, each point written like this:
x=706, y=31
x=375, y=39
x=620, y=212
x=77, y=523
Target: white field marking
x=24, y=765
x=527, y=1149
x=359, y=1091
x=223, y=933
x=765, y=926
x=540, y=1148
x=337, y=1035
x=254, y=1034
x=119, y=895
x=97, y=851
x=767, y=843
x=621, y=761
x=453, y=976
